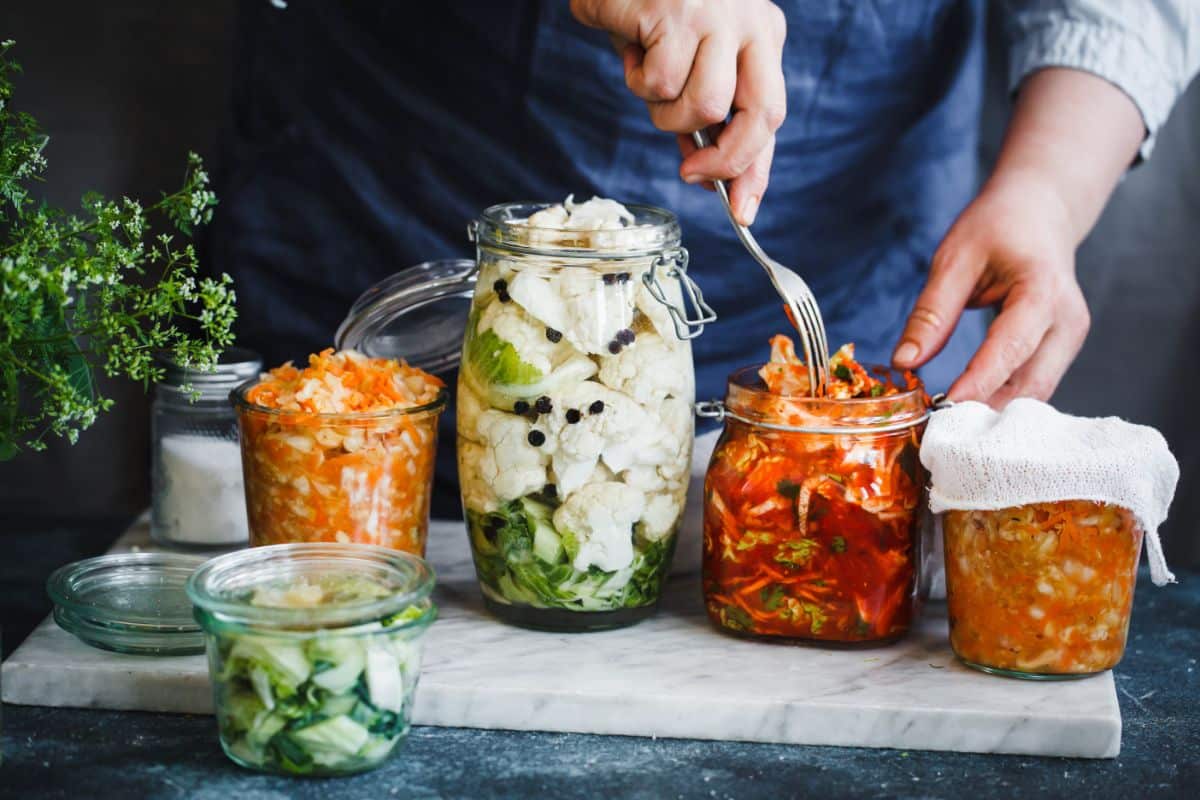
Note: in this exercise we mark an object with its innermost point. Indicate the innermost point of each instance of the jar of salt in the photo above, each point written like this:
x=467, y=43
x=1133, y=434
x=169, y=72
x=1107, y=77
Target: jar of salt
x=196, y=465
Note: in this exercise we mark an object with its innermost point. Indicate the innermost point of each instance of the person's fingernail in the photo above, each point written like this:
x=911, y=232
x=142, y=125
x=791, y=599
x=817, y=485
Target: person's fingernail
x=693, y=178
x=749, y=210
x=906, y=353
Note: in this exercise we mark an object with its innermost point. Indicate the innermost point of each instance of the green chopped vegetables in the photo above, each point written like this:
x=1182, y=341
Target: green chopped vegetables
x=521, y=558
x=319, y=703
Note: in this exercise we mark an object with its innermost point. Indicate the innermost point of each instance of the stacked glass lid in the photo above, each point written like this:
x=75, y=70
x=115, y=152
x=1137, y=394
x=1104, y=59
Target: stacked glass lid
x=129, y=603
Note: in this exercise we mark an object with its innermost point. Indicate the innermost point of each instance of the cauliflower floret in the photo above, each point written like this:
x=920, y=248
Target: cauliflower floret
x=650, y=370
x=470, y=407
x=525, y=334
x=540, y=299
x=601, y=516
x=678, y=426
x=644, y=477
x=599, y=213
x=599, y=474
x=607, y=426
x=661, y=515
x=594, y=311
x=476, y=491
x=510, y=464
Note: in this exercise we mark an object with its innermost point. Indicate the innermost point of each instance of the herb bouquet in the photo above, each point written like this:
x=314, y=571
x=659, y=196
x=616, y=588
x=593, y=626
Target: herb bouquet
x=94, y=290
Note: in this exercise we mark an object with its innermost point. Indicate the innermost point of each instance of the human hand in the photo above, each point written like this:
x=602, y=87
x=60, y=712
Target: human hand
x=1014, y=247
x=697, y=64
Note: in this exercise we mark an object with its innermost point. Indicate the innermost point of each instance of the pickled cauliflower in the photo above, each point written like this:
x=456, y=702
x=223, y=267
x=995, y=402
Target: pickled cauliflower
x=600, y=517
x=574, y=420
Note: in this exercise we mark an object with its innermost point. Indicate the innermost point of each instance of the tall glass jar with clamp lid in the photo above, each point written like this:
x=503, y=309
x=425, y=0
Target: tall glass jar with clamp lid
x=574, y=417
x=574, y=400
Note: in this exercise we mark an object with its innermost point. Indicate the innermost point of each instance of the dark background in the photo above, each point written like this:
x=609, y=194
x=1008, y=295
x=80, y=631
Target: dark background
x=126, y=88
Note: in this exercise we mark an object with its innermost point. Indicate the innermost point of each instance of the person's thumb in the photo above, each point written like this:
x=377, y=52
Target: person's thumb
x=952, y=278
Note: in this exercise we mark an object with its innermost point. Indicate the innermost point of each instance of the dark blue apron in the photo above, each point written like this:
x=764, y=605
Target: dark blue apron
x=364, y=136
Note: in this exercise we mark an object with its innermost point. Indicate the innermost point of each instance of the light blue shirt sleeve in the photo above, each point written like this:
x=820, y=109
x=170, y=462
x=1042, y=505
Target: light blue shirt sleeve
x=1150, y=49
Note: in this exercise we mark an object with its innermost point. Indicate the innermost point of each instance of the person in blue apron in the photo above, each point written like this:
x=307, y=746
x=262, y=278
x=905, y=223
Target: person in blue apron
x=365, y=135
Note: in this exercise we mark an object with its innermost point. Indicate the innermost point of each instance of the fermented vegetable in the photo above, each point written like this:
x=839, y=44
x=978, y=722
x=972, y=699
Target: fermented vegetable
x=321, y=702
x=574, y=421
x=812, y=504
x=340, y=451
x=1041, y=589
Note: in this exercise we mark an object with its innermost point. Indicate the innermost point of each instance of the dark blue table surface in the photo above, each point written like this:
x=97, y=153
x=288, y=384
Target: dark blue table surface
x=72, y=753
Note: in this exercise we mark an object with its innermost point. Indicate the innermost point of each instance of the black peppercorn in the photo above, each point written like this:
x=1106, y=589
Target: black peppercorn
x=550, y=490
x=596, y=407
x=536, y=438
x=543, y=405
x=553, y=335
x=626, y=336
x=504, y=296
x=520, y=407
x=614, y=347
x=609, y=279
x=573, y=416
x=500, y=286
x=623, y=277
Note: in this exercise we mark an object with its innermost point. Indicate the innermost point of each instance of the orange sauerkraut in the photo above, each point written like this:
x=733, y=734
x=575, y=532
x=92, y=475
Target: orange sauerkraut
x=1041, y=589
x=340, y=451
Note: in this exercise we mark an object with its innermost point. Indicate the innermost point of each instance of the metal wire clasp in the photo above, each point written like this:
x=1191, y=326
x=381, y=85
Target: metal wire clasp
x=710, y=409
x=675, y=261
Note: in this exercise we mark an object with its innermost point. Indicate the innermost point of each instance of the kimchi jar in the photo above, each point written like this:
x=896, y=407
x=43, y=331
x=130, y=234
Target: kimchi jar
x=812, y=513
x=1041, y=590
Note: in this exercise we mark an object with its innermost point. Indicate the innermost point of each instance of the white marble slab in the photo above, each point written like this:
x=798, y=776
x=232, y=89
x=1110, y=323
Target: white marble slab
x=670, y=676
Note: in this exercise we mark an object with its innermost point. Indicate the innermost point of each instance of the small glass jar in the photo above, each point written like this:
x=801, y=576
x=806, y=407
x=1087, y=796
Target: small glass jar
x=1041, y=591
x=314, y=652
x=358, y=477
x=812, y=514
x=574, y=412
x=196, y=471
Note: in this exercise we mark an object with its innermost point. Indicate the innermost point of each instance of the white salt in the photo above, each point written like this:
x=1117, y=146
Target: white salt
x=201, y=500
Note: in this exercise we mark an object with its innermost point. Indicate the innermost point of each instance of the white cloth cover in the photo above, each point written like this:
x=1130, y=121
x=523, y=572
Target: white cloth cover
x=981, y=459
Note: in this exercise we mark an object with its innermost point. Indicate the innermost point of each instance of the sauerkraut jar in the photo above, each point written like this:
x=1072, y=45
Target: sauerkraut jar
x=340, y=451
x=812, y=506
x=1041, y=590
x=575, y=416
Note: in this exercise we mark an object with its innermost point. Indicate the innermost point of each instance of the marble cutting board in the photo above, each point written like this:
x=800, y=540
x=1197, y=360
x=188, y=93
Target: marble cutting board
x=670, y=676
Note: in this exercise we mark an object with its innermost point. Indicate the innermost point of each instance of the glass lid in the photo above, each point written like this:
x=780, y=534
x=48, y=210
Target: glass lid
x=129, y=602
x=419, y=314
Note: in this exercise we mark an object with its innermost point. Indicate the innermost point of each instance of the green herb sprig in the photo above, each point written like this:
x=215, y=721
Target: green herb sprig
x=100, y=289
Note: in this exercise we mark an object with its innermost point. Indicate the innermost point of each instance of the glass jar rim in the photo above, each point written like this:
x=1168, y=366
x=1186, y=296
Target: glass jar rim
x=239, y=400
x=747, y=396
x=246, y=569
x=503, y=225
x=234, y=365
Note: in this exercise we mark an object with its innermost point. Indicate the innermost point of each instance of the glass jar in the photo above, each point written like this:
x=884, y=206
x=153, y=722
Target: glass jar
x=1041, y=591
x=812, y=514
x=575, y=416
x=314, y=652
x=196, y=471
x=357, y=477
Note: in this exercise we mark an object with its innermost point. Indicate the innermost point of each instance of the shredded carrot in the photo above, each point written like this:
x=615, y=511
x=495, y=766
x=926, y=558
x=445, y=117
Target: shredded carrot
x=362, y=476
x=1045, y=588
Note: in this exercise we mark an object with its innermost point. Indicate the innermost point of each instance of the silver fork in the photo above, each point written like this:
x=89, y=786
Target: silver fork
x=796, y=295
